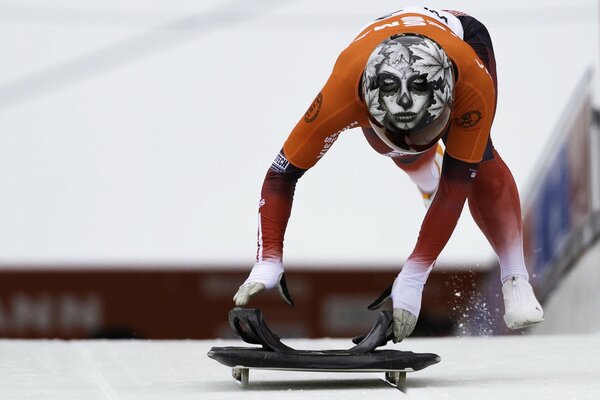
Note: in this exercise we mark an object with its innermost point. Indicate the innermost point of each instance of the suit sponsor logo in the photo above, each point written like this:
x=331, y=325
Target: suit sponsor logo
x=468, y=119
x=280, y=163
x=330, y=140
x=313, y=110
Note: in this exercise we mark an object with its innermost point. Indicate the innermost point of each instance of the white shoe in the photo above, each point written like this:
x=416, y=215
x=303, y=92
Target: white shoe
x=521, y=308
x=429, y=196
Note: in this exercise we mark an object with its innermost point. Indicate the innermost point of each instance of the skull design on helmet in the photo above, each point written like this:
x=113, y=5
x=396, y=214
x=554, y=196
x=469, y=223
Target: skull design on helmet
x=408, y=86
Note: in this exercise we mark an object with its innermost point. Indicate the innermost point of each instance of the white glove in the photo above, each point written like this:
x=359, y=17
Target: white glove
x=406, y=293
x=265, y=275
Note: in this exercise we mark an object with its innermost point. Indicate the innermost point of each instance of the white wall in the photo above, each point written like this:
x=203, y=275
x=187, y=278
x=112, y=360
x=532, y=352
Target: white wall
x=141, y=130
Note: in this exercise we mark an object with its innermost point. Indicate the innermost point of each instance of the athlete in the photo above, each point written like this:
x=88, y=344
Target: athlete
x=411, y=80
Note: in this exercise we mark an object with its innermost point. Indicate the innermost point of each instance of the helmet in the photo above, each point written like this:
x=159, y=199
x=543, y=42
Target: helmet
x=408, y=87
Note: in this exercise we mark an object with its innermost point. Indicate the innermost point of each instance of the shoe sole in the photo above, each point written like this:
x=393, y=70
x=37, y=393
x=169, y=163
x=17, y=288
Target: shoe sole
x=524, y=324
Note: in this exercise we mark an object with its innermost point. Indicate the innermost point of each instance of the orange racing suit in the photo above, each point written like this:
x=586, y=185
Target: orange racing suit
x=471, y=168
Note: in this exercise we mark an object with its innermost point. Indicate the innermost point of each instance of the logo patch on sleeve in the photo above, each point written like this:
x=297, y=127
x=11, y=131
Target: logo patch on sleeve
x=280, y=163
x=468, y=119
x=313, y=111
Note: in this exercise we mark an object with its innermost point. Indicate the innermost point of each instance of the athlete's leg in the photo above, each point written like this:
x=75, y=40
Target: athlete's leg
x=495, y=206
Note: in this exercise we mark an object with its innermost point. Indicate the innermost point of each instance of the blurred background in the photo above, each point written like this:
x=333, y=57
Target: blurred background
x=135, y=135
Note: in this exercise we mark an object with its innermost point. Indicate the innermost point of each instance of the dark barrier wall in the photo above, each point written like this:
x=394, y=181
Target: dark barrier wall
x=173, y=303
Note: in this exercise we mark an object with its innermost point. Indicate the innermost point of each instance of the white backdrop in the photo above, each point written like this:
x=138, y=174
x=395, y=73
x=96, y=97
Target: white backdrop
x=140, y=131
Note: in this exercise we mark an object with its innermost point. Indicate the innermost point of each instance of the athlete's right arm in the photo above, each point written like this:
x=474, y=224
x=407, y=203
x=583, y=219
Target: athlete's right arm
x=333, y=111
x=274, y=211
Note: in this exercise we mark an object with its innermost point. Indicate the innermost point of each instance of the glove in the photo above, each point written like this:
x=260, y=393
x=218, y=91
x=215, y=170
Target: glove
x=404, y=324
x=406, y=293
x=265, y=275
x=404, y=321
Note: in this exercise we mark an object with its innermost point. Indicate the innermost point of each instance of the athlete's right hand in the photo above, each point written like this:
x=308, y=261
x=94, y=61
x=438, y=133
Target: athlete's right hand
x=265, y=275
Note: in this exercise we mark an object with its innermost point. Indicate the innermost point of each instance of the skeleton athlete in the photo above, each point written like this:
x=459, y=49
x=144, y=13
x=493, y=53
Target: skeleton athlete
x=410, y=80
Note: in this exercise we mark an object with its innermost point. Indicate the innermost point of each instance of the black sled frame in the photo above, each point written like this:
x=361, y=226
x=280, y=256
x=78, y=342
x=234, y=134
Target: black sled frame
x=273, y=354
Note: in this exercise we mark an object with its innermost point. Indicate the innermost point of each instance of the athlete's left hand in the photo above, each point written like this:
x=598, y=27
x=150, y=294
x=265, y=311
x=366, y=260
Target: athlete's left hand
x=404, y=324
x=404, y=321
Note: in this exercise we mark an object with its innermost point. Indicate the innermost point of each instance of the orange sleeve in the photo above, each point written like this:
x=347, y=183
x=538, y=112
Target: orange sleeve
x=334, y=110
x=472, y=117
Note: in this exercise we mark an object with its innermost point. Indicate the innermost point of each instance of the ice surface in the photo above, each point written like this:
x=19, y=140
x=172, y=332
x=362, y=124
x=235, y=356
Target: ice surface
x=518, y=367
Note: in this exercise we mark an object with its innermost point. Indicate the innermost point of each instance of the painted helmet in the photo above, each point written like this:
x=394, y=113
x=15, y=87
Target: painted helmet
x=408, y=86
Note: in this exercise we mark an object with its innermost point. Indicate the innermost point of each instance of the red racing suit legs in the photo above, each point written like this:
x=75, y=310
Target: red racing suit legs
x=494, y=203
x=495, y=206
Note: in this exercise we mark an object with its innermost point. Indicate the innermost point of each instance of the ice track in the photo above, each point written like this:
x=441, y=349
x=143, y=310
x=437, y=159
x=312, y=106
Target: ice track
x=520, y=367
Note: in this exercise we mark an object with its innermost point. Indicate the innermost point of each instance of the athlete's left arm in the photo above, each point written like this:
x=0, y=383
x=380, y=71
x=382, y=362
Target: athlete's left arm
x=443, y=214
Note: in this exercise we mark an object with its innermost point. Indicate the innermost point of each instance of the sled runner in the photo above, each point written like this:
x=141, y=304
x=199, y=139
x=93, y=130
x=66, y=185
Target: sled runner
x=273, y=354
